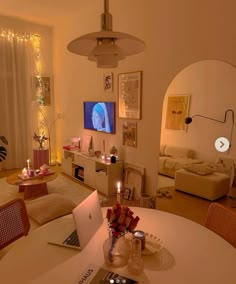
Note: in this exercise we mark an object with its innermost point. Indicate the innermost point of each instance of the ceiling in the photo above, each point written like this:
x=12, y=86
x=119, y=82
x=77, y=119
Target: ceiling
x=41, y=11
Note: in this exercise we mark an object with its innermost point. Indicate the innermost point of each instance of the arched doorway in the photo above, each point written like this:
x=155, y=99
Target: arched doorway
x=211, y=88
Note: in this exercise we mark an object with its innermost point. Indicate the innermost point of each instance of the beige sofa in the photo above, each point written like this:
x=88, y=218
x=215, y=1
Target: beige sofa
x=173, y=158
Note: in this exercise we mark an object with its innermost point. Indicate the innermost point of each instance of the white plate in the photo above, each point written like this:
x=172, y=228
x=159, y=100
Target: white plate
x=152, y=244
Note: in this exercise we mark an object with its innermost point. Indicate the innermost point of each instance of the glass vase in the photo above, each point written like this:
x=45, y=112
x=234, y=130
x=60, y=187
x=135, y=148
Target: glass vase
x=116, y=251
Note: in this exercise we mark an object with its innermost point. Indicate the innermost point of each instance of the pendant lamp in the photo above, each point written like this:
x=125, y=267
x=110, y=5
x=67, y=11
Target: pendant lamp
x=106, y=47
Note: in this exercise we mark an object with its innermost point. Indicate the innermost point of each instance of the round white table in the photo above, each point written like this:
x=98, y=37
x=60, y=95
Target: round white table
x=191, y=254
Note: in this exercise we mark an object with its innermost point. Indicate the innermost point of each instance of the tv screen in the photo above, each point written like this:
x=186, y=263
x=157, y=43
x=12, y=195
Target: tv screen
x=99, y=116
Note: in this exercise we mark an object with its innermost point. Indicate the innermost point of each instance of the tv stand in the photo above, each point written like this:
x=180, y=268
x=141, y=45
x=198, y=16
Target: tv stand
x=95, y=172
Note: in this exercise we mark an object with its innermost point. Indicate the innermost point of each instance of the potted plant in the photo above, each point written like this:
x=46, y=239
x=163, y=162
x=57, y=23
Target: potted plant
x=3, y=150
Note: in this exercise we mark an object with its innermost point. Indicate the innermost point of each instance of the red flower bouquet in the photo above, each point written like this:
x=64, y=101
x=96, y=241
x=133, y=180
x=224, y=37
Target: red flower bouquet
x=116, y=248
x=121, y=220
x=40, y=139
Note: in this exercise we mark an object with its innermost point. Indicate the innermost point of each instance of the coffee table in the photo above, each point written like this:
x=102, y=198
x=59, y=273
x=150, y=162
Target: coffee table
x=35, y=187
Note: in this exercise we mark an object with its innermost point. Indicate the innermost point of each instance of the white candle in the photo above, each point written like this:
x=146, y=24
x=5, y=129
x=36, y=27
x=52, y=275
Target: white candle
x=118, y=191
x=24, y=173
x=28, y=166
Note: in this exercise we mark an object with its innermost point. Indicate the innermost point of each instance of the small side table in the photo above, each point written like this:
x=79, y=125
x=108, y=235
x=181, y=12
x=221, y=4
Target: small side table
x=41, y=157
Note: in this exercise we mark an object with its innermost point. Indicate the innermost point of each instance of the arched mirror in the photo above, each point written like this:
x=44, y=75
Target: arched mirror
x=206, y=88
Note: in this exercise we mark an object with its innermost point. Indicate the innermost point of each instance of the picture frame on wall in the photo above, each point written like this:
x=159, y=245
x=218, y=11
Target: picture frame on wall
x=129, y=94
x=177, y=108
x=130, y=134
x=108, y=82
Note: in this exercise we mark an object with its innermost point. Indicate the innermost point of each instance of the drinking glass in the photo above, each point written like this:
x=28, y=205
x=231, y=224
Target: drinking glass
x=135, y=265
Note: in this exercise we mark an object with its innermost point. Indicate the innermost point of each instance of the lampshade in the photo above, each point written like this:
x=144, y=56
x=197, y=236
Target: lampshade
x=106, y=47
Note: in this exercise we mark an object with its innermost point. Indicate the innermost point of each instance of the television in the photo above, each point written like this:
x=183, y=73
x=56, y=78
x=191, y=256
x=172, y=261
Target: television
x=99, y=116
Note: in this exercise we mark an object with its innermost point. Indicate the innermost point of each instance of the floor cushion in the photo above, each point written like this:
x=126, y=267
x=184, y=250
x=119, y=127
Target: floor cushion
x=49, y=207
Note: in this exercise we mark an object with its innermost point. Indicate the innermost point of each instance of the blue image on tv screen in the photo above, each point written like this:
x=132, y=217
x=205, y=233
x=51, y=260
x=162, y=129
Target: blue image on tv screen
x=99, y=116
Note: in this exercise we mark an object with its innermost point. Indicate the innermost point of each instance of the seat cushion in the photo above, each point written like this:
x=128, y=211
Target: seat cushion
x=49, y=207
x=199, y=169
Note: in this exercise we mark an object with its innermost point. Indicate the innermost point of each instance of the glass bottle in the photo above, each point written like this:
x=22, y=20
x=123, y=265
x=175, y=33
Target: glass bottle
x=135, y=265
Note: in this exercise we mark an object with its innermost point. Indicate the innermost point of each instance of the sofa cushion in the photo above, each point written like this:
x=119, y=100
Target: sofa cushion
x=199, y=169
x=49, y=207
x=178, y=152
x=162, y=150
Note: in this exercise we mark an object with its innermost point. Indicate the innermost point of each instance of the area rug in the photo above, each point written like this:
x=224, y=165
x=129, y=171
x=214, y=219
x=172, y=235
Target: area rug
x=61, y=185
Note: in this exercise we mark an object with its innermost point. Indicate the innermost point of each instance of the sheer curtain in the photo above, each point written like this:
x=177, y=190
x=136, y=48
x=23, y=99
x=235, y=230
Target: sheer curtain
x=16, y=92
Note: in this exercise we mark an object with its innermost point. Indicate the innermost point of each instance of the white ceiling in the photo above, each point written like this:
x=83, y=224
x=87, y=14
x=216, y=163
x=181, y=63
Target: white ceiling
x=41, y=11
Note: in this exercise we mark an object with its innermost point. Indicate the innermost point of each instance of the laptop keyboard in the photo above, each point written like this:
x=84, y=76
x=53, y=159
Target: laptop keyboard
x=72, y=240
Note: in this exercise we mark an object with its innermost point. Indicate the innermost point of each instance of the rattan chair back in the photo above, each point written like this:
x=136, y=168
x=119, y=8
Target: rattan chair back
x=14, y=222
x=222, y=220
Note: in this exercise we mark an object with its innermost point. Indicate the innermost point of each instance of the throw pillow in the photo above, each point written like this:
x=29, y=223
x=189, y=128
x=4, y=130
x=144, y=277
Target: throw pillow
x=199, y=169
x=49, y=207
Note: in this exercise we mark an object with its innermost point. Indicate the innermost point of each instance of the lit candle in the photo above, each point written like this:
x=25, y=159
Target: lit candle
x=118, y=192
x=24, y=173
x=79, y=144
x=28, y=166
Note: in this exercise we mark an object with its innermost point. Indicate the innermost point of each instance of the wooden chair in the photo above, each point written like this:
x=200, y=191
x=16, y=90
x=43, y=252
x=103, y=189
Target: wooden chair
x=14, y=222
x=222, y=221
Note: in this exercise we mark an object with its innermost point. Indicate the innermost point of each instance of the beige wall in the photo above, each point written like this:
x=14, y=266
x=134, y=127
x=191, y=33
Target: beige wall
x=177, y=33
x=211, y=85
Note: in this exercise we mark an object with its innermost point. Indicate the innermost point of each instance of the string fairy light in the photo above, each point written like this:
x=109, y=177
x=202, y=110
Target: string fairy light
x=35, y=40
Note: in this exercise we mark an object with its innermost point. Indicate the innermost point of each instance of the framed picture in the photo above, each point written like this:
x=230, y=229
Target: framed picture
x=128, y=192
x=86, y=143
x=176, y=111
x=129, y=94
x=130, y=134
x=135, y=179
x=108, y=82
x=43, y=90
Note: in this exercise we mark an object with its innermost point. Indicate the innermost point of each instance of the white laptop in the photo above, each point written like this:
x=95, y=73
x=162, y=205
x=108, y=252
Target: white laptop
x=87, y=218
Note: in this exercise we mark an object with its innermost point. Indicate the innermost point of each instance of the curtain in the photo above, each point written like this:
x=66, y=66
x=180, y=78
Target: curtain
x=16, y=78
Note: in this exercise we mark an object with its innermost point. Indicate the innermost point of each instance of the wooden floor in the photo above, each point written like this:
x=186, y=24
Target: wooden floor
x=183, y=204
x=189, y=206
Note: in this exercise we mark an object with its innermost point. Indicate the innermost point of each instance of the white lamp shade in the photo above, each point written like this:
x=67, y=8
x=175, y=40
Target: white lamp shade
x=112, y=46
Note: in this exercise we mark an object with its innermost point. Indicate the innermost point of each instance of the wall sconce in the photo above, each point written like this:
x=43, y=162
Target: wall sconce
x=189, y=119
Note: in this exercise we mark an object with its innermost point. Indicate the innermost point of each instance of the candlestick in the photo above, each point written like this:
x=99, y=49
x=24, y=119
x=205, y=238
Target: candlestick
x=28, y=166
x=118, y=192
